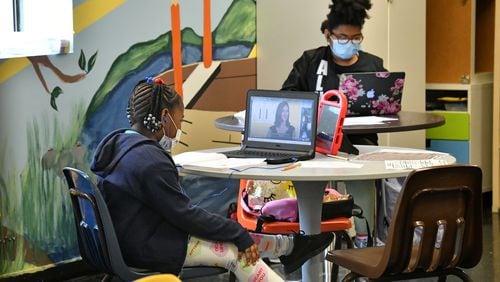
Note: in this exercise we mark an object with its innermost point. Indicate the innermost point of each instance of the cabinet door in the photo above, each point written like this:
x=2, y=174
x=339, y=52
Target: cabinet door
x=448, y=40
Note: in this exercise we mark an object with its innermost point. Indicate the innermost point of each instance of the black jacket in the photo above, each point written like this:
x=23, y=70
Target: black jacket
x=307, y=75
x=152, y=216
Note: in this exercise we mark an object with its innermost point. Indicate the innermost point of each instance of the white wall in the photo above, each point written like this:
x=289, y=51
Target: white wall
x=285, y=29
x=496, y=114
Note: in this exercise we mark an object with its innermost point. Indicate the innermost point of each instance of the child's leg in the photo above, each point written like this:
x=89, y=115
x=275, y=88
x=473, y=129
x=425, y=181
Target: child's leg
x=225, y=255
x=273, y=246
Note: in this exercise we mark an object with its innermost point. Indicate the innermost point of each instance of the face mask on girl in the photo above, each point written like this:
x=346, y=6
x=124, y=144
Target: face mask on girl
x=345, y=51
x=168, y=143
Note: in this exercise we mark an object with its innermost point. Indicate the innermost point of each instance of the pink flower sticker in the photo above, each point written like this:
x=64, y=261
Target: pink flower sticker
x=260, y=275
x=219, y=249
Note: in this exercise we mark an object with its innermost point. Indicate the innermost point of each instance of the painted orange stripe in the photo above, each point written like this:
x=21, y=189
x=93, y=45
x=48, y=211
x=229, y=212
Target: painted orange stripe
x=207, y=34
x=176, y=45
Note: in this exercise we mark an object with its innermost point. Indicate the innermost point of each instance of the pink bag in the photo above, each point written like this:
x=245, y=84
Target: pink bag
x=281, y=210
x=278, y=210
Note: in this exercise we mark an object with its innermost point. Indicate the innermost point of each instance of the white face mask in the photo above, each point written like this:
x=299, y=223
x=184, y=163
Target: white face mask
x=168, y=143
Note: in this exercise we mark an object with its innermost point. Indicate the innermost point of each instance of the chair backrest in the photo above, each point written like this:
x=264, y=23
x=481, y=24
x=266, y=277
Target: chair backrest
x=96, y=235
x=437, y=221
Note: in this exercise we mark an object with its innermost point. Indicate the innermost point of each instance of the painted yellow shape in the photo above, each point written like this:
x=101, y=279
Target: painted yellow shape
x=12, y=66
x=84, y=15
x=253, y=53
x=91, y=11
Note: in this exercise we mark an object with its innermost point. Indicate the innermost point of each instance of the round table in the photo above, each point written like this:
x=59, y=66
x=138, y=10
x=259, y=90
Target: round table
x=406, y=121
x=310, y=183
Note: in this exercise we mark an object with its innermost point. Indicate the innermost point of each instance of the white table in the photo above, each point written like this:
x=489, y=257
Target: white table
x=309, y=185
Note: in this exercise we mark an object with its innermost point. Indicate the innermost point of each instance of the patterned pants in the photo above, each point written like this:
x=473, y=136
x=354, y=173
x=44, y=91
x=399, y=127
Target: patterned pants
x=224, y=254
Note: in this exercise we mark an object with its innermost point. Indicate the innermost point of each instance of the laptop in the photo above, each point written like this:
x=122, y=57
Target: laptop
x=280, y=126
x=372, y=93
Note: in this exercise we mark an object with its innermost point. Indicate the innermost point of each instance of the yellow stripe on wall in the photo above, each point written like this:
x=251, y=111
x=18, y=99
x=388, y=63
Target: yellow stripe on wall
x=84, y=15
x=91, y=11
x=12, y=66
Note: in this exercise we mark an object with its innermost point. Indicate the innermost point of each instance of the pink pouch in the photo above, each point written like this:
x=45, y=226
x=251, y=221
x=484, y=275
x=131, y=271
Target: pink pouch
x=281, y=210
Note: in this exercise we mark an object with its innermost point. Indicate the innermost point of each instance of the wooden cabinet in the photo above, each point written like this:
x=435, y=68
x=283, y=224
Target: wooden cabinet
x=459, y=39
x=459, y=63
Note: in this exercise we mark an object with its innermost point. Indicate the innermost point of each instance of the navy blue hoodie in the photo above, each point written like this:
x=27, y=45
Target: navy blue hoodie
x=152, y=216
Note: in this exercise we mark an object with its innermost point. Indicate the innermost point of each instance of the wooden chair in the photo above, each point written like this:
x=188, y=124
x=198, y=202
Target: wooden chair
x=338, y=226
x=435, y=231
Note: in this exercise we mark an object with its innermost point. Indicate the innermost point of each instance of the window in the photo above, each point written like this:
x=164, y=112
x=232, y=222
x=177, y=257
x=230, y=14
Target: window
x=34, y=27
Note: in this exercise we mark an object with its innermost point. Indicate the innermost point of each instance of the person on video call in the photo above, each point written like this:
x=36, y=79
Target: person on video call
x=318, y=70
x=281, y=127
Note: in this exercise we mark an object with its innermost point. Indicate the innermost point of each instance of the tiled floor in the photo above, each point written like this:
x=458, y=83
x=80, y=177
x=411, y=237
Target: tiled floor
x=487, y=270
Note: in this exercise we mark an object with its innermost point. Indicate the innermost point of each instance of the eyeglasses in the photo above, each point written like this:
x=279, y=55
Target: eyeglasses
x=341, y=39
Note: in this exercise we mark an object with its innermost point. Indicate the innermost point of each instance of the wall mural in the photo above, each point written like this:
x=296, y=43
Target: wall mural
x=88, y=96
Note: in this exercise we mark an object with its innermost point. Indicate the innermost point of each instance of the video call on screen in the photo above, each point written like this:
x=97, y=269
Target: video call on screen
x=291, y=125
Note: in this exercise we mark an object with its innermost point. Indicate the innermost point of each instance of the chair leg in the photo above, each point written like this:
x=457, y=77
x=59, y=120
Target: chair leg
x=334, y=273
x=348, y=239
x=232, y=276
x=442, y=278
x=462, y=275
x=107, y=278
x=339, y=237
x=351, y=276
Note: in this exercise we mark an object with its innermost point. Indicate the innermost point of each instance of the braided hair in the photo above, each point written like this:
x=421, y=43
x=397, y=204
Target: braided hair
x=348, y=12
x=147, y=100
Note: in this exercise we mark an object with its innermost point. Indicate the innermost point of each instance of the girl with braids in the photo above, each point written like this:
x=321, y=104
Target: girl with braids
x=318, y=70
x=157, y=226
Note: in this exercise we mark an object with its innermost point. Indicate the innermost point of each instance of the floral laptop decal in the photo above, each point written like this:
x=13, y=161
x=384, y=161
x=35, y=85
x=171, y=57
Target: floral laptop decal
x=372, y=93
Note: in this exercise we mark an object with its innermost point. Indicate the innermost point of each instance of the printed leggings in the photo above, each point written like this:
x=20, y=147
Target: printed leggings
x=223, y=254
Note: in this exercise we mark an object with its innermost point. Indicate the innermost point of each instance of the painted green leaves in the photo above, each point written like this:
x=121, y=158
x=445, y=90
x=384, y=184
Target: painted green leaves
x=53, y=96
x=83, y=64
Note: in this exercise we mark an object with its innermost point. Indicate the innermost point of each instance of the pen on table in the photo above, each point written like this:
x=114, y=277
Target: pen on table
x=292, y=166
x=338, y=157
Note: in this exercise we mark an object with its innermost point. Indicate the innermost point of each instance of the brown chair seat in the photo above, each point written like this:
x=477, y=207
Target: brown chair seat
x=359, y=260
x=436, y=229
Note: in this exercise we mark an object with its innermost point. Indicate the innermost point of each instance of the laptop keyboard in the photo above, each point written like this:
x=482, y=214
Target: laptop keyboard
x=259, y=154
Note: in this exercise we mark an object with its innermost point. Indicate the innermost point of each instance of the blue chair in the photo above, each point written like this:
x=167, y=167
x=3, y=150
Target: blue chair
x=97, y=238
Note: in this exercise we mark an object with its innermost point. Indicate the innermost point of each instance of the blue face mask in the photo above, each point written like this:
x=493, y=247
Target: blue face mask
x=345, y=51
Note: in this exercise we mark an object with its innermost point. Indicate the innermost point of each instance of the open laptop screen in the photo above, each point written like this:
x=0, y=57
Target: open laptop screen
x=281, y=119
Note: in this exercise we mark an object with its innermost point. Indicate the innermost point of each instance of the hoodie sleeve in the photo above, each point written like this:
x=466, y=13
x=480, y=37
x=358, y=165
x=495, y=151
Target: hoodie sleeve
x=161, y=192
